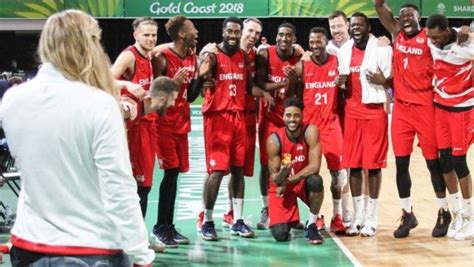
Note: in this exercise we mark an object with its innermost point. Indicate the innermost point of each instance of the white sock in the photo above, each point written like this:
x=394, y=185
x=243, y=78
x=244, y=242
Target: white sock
x=358, y=206
x=208, y=215
x=264, y=201
x=372, y=208
x=442, y=203
x=238, y=204
x=229, y=205
x=457, y=201
x=467, y=206
x=345, y=202
x=312, y=218
x=336, y=207
x=366, y=200
x=406, y=204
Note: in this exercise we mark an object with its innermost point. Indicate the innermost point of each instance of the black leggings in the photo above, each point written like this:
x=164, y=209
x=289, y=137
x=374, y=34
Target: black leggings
x=143, y=194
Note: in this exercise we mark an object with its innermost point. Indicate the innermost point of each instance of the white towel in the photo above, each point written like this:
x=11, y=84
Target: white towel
x=375, y=58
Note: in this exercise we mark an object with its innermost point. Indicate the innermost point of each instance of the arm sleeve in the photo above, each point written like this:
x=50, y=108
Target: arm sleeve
x=194, y=89
x=118, y=188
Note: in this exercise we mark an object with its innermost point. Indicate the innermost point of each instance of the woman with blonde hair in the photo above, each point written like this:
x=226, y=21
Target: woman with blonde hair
x=78, y=203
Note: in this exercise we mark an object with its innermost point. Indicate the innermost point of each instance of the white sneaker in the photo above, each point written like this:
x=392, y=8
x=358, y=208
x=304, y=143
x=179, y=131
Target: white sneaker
x=370, y=227
x=467, y=229
x=354, y=228
x=156, y=244
x=456, y=224
x=347, y=217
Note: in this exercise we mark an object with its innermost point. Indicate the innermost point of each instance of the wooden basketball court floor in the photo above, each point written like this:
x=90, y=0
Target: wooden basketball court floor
x=419, y=249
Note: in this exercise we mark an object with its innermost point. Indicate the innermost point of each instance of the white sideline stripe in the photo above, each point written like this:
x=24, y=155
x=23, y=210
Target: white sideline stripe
x=346, y=251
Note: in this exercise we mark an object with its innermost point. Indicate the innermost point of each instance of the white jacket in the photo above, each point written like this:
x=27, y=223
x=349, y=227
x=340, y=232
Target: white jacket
x=375, y=57
x=77, y=186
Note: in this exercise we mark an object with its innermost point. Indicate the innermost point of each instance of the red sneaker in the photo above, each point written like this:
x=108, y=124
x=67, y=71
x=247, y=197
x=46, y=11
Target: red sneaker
x=337, y=225
x=228, y=219
x=200, y=221
x=320, y=223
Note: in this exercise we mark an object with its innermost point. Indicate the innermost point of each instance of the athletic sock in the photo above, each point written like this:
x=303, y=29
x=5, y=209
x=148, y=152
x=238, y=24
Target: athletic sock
x=208, y=215
x=336, y=207
x=442, y=203
x=406, y=204
x=238, y=204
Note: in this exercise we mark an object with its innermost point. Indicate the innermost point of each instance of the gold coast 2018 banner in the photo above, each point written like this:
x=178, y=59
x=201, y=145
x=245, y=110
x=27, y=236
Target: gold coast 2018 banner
x=32, y=9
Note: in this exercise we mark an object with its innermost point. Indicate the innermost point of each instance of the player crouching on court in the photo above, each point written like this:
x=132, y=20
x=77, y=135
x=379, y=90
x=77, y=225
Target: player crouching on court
x=294, y=159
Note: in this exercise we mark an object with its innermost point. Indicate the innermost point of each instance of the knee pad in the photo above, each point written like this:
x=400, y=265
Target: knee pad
x=314, y=183
x=281, y=232
x=460, y=166
x=445, y=160
x=374, y=172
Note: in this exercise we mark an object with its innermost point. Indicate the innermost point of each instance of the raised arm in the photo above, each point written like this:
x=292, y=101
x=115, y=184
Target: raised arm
x=314, y=155
x=386, y=17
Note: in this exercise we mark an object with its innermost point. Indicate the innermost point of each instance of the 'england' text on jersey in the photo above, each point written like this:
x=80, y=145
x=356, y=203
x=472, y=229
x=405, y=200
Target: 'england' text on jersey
x=231, y=76
x=409, y=50
x=320, y=85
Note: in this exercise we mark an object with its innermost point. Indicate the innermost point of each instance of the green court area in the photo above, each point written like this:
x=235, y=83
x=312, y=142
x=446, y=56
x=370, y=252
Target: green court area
x=262, y=250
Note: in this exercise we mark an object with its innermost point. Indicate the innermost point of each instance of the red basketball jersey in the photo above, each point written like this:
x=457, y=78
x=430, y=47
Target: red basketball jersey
x=412, y=71
x=354, y=106
x=275, y=74
x=297, y=148
x=320, y=90
x=454, y=84
x=142, y=75
x=177, y=117
x=231, y=82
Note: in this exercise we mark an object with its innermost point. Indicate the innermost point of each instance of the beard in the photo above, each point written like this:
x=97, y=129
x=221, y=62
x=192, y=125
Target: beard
x=231, y=48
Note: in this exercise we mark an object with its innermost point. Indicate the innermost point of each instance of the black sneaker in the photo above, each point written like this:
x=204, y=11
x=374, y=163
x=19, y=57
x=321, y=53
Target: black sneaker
x=178, y=237
x=408, y=222
x=165, y=235
x=312, y=235
x=208, y=231
x=442, y=223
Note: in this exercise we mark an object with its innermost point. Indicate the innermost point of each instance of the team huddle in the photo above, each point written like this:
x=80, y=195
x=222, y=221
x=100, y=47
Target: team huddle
x=332, y=100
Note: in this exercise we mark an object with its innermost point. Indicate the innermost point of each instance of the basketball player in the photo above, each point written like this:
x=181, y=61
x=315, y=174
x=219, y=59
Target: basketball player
x=178, y=62
x=224, y=125
x=319, y=92
x=413, y=111
x=274, y=72
x=454, y=115
x=294, y=154
x=365, y=128
x=134, y=65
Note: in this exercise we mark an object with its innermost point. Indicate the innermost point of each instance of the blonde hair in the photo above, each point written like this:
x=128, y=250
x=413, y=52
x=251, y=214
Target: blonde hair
x=70, y=41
